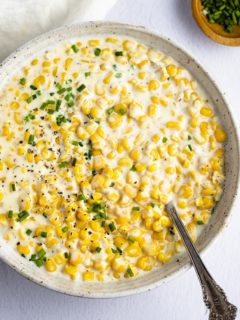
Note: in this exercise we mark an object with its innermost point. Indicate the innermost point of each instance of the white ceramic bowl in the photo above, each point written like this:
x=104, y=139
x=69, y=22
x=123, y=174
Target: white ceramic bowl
x=219, y=218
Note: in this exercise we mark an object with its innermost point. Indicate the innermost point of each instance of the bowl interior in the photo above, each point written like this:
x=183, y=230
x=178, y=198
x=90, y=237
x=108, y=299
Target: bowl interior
x=221, y=212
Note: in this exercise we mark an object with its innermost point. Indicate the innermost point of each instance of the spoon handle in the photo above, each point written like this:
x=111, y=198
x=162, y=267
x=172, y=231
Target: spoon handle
x=213, y=295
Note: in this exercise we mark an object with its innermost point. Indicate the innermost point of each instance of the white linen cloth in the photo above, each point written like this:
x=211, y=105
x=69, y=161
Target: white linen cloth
x=21, y=20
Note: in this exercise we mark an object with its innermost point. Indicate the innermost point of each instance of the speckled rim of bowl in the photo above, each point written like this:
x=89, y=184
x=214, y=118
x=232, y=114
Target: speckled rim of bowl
x=218, y=220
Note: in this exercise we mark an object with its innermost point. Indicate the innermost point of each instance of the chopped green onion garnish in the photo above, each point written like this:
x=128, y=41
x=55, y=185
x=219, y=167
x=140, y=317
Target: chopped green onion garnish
x=58, y=104
x=130, y=239
x=44, y=234
x=190, y=147
x=13, y=186
x=87, y=74
x=29, y=117
x=112, y=226
x=10, y=214
x=133, y=168
x=82, y=197
x=130, y=272
x=97, y=52
x=31, y=98
x=112, y=184
x=135, y=208
x=98, y=249
x=62, y=164
x=110, y=110
x=74, y=161
x=41, y=253
x=77, y=143
x=28, y=232
x=118, y=53
x=22, y=216
x=65, y=229
x=164, y=140
x=200, y=222
x=118, y=75
x=31, y=140
x=22, y=81
x=61, y=119
x=75, y=48
x=189, y=137
x=33, y=87
x=81, y=88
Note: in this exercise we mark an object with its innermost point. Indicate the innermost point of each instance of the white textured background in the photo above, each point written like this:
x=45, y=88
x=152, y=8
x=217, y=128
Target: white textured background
x=181, y=298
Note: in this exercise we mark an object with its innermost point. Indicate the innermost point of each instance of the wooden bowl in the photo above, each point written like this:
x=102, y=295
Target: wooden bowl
x=215, y=31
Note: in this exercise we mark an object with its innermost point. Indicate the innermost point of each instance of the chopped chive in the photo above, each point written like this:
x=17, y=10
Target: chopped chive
x=200, y=222
x=13, y=186
x=114, y=67
x=190, y=147
x=65, y=229
x=69, y=97
x=74, y=161
x=41, y=253
x=110, y=110
x=130, y=239
x=94, y=172
x=112, y=226
x=189, y=137
x=58, y=105
x=97, y=52
x=119, y=250
x=118, y=53
x=77, y=143
x=133, y=168
x=31, y=140
x=98, y=249
x=62, y=164
x=29, y=117
x=33, y=257
x=130, y=272
x=164, y=140
x=22, y=216
x=112, y=184
x=122, y=112
x=81, y=197
x=61, y=119
x=50, y=111
x=87, y=74
x=118, y=75
x=66, y=255
x=44, y=234
x=22, y=81
x=81, y=88
x=135, y=208
x=61, y=91
x=75, y=48
x=28, y=232
x=33, y=87
x=10, y=214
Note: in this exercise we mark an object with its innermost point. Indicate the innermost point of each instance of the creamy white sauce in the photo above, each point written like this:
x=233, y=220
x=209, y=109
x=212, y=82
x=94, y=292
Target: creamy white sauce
x=57, y=140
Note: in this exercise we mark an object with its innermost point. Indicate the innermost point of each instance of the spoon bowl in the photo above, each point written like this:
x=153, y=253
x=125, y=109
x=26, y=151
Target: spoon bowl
x=214, y=31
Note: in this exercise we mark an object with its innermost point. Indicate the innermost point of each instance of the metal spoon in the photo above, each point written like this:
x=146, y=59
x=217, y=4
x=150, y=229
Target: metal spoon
x=214, y=297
